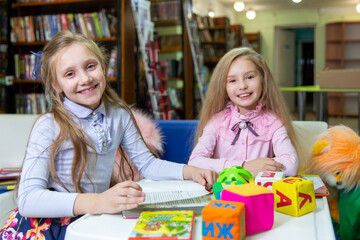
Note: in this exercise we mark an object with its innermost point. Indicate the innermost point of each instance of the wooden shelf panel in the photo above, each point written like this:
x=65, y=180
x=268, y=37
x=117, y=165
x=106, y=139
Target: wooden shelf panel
x=220, y=27
x=166, y=22
x=342, y=48
x=170, y=49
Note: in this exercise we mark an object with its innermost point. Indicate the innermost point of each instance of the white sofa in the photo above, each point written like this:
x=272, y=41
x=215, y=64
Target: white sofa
x=15, y=130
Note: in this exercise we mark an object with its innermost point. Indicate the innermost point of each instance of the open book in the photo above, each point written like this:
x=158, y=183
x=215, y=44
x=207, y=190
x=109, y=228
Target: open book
x=319, y=186
x=171, y=195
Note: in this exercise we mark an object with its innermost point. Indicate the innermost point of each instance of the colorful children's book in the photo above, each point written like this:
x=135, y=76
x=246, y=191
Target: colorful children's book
x=168, y=225
x=319, y=186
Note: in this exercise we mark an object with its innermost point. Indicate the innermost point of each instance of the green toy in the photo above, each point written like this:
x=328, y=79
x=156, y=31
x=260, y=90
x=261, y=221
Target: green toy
x=235, y=175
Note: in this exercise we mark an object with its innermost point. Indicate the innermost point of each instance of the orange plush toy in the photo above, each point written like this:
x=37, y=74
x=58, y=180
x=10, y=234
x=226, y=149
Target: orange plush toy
x=336, y=158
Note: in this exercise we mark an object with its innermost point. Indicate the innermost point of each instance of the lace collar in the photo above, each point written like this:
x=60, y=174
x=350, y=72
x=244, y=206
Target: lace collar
x=250, y=115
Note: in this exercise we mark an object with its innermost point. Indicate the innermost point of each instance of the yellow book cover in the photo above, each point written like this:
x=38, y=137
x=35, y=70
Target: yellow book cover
x=164, y=225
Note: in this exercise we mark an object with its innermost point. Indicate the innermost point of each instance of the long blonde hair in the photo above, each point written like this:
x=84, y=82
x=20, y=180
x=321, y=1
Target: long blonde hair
x=217, y=98
x=68, y=128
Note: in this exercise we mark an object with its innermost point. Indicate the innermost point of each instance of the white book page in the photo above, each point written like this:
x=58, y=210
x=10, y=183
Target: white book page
x=167, y=191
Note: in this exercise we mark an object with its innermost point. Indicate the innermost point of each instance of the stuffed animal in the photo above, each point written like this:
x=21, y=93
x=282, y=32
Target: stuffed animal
x=336, y=158
x=153, y=139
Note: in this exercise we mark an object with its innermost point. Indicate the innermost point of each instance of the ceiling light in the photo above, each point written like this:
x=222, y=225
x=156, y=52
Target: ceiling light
x=251, y=14
x=296, y=1
x=211, y=13
x=239, y=6
x=358, y=7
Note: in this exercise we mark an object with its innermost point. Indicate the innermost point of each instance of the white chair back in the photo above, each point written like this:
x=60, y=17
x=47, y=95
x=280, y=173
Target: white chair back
x=307, y=132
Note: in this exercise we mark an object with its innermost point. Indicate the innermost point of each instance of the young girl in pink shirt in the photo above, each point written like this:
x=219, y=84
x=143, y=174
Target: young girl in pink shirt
x=244, y=120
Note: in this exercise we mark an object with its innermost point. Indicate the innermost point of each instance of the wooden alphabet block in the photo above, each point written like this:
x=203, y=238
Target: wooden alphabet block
x=266, y=179
x=259, y=205
x=223, y=220
x=294, y=196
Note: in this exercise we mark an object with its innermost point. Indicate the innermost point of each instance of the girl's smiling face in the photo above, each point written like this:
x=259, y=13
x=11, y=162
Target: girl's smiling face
x=244, y=84
x=80, y=76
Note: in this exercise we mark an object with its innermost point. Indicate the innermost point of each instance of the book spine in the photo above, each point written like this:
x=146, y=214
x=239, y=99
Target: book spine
x=31, y=29
x=97, y=24
x=89, y=25
x=71, y=20
x=63, y=21
x=47, y=29
x=83, y=26
x=105, y=23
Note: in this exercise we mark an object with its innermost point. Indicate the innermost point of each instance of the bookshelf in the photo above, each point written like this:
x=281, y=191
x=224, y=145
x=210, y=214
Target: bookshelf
x=254, y=41
x=342, y=47
x=174, y=54
x=34, y=23
x=214, y=35
x=237, y=36
x=5, y=80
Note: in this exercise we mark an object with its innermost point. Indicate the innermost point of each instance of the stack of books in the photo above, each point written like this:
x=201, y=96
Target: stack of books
x=8, y=178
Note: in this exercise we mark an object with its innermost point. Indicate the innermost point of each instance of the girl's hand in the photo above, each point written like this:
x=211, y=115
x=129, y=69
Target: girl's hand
x=203, y=176
x=262, y=164
x=122, y=196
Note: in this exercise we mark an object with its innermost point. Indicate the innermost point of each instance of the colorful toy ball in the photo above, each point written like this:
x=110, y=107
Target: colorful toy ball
x=235, y=173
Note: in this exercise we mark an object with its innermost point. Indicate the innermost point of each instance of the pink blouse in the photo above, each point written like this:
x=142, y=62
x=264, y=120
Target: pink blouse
x=215, y=151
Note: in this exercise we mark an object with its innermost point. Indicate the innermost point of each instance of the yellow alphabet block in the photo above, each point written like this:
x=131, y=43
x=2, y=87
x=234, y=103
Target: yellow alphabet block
x=294, y=196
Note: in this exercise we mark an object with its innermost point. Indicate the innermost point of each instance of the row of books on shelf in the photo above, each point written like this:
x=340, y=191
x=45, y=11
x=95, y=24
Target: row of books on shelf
x=168, y=41
x=208, y=36
x=173, y=68
x=24, y=64
x=210, y=22
x=213, y=54
x=166, y=10
x=31, y=103
x=100, y=24
x=8, y=178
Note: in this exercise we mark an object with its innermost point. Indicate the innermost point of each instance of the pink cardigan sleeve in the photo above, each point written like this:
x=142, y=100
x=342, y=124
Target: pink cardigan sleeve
x=204, y=149
x=285, y=152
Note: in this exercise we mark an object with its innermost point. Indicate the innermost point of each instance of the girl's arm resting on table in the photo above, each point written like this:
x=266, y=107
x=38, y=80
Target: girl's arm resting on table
x=122, y=196
x=285, y=152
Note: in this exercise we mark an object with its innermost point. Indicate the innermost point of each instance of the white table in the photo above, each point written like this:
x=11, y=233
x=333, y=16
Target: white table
x=314, y=225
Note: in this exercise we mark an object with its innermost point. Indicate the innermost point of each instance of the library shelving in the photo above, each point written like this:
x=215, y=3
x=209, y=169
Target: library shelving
x=32, y=25
x=214, y=33
x=237, y=36
x=167, y=16
x=342, y=47
x=172, y=57
x=254, y=41
x=5, y=79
